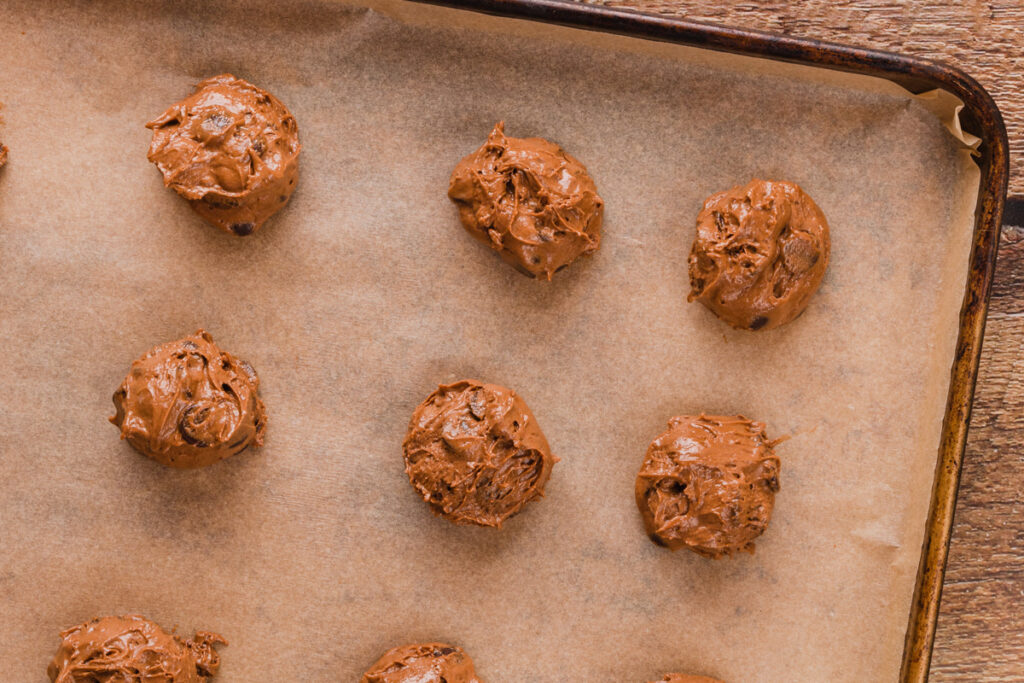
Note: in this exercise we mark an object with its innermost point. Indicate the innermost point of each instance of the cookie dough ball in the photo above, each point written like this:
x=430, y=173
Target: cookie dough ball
x=760, y=253
x=231, y=149
x=686, y=678
x=708, y=483
x=189, y=404
x=132, y=649
x=476, y=454
x=3, y=155
x=422, y=663
x=529, y=201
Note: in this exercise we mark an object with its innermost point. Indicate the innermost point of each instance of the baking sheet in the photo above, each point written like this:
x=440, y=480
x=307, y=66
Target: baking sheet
x=313, y=555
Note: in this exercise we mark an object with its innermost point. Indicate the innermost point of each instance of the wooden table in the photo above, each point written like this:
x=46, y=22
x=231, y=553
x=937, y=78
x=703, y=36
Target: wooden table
x=981, y=622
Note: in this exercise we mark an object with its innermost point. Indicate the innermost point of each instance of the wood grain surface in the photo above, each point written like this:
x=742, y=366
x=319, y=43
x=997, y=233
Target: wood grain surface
x=980, y=633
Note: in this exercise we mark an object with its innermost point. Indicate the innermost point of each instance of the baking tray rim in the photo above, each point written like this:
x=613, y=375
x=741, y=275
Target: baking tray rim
x=980, y=116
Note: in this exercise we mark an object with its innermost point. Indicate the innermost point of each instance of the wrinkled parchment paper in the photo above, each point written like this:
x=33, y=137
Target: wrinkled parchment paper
x=312, y=555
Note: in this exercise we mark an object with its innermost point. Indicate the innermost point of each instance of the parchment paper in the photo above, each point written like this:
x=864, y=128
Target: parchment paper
x=313, y=555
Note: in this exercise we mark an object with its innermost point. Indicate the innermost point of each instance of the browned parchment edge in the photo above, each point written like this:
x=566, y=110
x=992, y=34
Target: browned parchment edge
x=980, y=117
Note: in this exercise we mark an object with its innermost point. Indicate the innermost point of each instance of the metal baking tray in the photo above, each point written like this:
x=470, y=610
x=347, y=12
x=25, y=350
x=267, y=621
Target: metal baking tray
x=98, y=223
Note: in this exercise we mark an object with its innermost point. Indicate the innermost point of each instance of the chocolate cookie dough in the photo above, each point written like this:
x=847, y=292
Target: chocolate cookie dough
x=422, y=663
x=189, y=404
x=231, y=149
x=708, y=483
x=760, y=253
x=530, y=201
x=476, y=454
x=132, y=649
x=686, y=678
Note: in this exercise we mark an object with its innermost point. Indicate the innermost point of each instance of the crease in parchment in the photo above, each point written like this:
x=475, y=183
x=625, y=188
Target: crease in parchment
x=947, y=107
